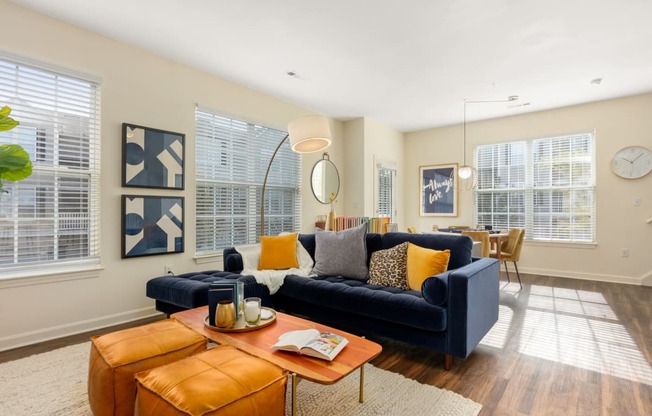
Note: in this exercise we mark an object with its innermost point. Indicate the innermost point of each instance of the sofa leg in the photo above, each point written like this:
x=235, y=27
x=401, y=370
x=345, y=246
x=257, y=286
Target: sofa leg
x=448, y=361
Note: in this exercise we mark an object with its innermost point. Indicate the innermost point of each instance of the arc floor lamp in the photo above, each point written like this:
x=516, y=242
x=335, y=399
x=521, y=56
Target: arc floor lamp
x=308, y=134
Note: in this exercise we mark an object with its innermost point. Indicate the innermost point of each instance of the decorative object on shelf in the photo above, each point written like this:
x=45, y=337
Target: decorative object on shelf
x=321, y=221
x=332, y=217
x=14, y=160
x=437, y=193
x=632, y=162
x=466, y=178
x=152, y=158
x=308, y=134
x=151, y=225
x=325, y=180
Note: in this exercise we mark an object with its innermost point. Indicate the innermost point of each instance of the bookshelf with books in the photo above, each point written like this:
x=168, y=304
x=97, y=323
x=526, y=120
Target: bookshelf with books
x=374, y=224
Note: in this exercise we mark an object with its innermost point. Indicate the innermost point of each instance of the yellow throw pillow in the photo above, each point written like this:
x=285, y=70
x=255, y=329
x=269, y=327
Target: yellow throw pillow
x=423, y=263
x=278, y=253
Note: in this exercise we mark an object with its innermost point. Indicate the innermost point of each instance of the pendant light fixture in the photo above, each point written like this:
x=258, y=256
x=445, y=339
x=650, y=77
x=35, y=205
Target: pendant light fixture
x=467, y=175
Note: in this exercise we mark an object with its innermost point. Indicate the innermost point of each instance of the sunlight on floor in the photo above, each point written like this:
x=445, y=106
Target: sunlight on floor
x=578, y=328
x=497, y=336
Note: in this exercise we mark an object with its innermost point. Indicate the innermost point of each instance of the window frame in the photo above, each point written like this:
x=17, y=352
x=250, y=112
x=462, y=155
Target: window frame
x=392, y=170
x=62, y=108
x=240, y=157
x=567, y=222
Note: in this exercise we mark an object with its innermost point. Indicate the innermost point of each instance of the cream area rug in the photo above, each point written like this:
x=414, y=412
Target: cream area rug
x=54, y=383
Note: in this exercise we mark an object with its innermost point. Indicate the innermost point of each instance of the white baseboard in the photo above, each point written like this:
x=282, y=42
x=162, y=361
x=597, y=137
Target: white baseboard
x=609, y=278
x=73, y=328
x=647, y=280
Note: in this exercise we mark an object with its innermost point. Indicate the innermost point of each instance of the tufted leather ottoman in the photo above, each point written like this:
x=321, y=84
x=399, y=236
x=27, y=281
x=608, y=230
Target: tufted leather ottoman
x=116, y=357
x=222, y=381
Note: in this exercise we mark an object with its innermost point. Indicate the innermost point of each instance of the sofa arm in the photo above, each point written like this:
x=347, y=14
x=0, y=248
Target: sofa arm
x=473, y=295
x=232, y=260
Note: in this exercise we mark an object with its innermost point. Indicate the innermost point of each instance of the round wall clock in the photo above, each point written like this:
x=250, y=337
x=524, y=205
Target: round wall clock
x=632, y=162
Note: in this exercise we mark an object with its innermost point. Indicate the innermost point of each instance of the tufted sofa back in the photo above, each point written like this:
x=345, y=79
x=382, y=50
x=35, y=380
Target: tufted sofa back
x=460, y=247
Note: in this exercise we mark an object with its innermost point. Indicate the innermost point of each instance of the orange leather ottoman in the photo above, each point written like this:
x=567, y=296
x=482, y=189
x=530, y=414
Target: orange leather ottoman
x=116, y=357
x=222, y=381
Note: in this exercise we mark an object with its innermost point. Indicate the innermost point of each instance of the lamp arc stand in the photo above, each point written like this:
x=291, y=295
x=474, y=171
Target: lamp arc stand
x=262, y=193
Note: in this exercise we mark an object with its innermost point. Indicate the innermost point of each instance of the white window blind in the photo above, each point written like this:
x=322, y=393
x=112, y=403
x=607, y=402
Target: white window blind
x=545, y=185
x=386, y=192
x=51, y=219
x=232, y=157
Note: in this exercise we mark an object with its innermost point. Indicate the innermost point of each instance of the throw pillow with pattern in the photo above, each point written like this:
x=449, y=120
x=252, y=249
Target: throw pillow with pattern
x=389, y=267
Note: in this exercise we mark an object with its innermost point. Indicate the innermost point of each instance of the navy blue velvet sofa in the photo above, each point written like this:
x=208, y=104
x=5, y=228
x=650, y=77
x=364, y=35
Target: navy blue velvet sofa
x=451, y=314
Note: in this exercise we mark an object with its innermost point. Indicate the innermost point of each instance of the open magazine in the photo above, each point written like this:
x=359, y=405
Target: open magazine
x=324, y=345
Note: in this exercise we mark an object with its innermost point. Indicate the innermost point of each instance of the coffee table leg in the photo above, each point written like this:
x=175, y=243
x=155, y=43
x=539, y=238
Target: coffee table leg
x=294, y=394
x=362, y=383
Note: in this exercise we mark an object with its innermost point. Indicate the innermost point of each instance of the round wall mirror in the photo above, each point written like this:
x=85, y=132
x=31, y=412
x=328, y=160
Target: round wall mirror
x=325, y=180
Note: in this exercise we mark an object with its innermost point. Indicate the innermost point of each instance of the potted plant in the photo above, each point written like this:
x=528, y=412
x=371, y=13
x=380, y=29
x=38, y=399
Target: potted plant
x=14, y=160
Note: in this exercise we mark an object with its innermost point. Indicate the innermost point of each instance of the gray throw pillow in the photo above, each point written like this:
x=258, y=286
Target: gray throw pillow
x=341, y=253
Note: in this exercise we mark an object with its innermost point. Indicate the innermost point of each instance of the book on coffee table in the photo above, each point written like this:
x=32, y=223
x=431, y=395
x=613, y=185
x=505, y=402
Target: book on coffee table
x=324, y=345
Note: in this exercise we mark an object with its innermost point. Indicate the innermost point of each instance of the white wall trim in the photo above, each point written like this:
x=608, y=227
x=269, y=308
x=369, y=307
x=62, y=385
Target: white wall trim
x=73, y=328
x=647, y=280
x=49, y=276
x=609, y=278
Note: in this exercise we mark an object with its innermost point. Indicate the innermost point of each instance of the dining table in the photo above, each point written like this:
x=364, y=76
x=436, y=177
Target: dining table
x=496, y=240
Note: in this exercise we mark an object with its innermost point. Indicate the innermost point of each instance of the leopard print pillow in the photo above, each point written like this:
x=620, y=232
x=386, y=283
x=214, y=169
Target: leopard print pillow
x=389, y=267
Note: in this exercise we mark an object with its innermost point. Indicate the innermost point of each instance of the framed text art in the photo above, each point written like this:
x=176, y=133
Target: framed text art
x=151, y=225
x=437, y=194
x=152, y=158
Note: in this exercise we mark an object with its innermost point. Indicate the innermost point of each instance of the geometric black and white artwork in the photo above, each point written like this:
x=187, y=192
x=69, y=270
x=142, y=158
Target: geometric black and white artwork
x=152, y=158
x=151, y=225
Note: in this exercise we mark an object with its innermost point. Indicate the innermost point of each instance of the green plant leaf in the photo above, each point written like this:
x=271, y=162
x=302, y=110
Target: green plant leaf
x=6, y=122
x=14, y=163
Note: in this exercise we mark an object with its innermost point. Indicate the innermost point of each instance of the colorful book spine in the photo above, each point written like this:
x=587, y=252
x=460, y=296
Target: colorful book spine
x=374, y=224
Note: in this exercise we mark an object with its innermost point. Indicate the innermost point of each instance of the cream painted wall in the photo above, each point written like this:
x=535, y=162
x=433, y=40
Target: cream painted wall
x=147, y=90
x=366, y=141
x=354, y=193
x=383, y=143
x=617, y=123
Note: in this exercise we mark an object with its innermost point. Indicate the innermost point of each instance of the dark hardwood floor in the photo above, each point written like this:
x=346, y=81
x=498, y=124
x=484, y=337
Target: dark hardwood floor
x=561, y=347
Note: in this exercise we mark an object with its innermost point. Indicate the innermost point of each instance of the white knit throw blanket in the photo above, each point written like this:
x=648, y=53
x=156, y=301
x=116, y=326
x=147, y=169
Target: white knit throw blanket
x=273, y=279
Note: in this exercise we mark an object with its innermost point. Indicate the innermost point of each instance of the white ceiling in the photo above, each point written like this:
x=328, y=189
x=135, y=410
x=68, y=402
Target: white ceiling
x=409, y=64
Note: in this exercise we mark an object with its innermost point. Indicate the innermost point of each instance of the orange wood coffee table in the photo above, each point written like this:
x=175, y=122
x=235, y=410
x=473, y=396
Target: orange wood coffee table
x=259, y=344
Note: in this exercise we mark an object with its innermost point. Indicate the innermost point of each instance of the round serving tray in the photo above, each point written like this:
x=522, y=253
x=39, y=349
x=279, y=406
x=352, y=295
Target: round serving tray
x=241, y=326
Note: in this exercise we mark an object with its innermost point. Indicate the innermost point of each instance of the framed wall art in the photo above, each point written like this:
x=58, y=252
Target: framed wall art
x=151, y=225
x=152, y=158
x=437, y=194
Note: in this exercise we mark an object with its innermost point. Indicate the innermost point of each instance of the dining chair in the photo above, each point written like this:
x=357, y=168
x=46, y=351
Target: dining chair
x=482, y=237
x=411, y=230
x=510, y=250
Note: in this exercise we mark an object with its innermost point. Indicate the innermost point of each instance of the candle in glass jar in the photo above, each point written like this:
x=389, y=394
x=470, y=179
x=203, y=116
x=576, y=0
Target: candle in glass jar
x=251, y=311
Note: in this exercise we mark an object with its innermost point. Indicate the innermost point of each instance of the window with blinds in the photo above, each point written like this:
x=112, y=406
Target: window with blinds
x=386, y=193
x=546, y=186
x=51, y=219
x=231, y=160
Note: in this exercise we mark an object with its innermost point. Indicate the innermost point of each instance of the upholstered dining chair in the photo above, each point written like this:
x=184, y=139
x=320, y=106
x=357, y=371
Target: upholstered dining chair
x=411, y=230
x=482, y=237
x=510, y=250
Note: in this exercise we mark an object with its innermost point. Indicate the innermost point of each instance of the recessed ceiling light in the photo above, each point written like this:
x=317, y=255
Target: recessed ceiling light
x=596, y=81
